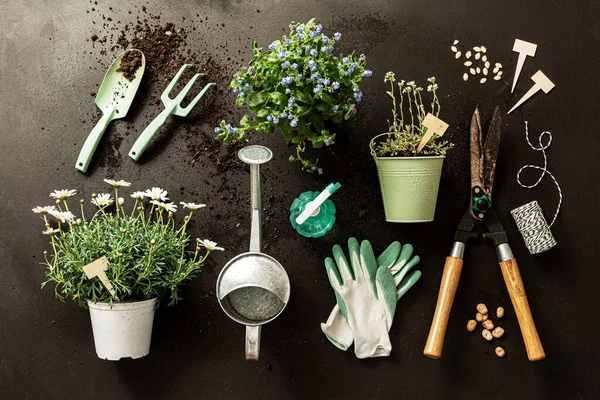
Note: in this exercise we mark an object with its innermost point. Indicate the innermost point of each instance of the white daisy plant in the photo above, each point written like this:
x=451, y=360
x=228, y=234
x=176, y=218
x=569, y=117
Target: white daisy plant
x=117, y=184
x=138, y=269
x=192, y=206
x=63, y=194
x=209, y=245
x=102, y=200
x=157, y=194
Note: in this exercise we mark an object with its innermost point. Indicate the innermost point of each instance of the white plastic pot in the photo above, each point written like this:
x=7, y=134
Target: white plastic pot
x=124, y=330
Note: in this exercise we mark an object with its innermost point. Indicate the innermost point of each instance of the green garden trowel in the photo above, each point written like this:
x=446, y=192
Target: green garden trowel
x=114, y=97
x=172, y=106
x=312, y=214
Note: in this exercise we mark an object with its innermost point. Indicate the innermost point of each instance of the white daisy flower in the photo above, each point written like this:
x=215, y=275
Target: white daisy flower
x=62, y=216
x=51, y=232
x=192, y=206
x=63, y=194
x=156, y=193
x=117, y=184
x=210, y=245
x=43, y=210
x=102, y=200
x=138, y=195
x=121, y=201
x=172, y=207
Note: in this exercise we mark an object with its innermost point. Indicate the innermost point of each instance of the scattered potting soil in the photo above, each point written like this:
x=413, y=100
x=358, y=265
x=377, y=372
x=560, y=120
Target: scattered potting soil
x=166, y=49
x=130, y=63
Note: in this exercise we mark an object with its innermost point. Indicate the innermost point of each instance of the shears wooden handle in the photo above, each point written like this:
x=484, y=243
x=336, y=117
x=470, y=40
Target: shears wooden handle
x=516, y=290
x=450, y=277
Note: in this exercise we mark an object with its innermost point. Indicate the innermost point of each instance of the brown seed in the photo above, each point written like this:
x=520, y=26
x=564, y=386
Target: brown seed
x=487, y=335
x=482, y=308
x=500, y=312
x=481, y=317
x=471, y=325
x=498, y=332
x=500, y=352
x=488, y=324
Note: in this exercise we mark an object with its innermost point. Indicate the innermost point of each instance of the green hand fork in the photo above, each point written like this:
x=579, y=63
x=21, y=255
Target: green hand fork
x=114, y=97
x=172, y=106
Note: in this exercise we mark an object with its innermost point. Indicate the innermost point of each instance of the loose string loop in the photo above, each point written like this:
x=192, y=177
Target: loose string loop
x=544, y=169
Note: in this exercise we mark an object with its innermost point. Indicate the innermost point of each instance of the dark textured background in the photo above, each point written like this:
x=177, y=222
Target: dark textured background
x=47, y=70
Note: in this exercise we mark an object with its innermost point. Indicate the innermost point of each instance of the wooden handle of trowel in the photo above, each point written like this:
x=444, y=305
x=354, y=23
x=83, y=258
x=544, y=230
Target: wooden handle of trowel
x=516, y=290
x=450, y=277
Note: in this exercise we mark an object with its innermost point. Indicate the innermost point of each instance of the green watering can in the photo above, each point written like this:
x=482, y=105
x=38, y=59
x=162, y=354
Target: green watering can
x=172, y=106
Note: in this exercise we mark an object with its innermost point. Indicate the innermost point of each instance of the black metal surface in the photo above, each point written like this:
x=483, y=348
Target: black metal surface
x=47, y=70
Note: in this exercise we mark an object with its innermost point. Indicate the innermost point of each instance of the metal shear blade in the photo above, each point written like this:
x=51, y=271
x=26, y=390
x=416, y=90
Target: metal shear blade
x=484, y=154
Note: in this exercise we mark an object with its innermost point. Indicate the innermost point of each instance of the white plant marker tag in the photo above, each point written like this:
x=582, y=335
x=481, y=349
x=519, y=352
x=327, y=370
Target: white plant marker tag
x=541, y=83
x=434, y=125
x=524, y=49
x=96, y=269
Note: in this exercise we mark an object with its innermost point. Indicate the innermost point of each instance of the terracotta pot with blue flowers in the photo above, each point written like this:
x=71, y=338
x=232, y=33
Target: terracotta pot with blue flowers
x=300, y=87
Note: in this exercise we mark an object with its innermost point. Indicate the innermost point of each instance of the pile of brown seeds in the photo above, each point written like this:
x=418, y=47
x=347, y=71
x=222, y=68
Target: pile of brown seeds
x=490, y=331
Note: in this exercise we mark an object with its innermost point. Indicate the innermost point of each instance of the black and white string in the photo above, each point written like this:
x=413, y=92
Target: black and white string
x=529, y=217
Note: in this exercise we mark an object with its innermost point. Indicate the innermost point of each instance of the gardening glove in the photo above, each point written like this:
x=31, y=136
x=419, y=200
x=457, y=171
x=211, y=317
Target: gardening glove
x=399, y=262
x=366, y=296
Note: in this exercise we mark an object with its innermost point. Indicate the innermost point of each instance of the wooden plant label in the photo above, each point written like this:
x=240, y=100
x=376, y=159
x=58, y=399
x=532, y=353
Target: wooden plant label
x=541, y=82
x=97, y=269
x=434, y=125
x=524, y=49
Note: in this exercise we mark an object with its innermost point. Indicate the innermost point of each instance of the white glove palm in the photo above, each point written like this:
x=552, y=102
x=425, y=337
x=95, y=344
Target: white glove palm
x=398, y=260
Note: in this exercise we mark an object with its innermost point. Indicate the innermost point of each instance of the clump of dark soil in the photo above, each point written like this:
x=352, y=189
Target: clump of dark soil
x=130, y=63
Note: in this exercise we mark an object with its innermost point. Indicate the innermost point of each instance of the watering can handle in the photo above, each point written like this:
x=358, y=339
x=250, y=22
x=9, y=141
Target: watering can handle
x=252, y=342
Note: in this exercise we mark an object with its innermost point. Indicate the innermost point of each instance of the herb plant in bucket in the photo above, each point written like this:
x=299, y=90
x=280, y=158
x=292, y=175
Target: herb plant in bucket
x=297, y=86
x=409, y=181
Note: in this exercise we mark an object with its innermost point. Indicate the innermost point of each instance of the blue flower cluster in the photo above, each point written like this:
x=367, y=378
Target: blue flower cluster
x=287, y=80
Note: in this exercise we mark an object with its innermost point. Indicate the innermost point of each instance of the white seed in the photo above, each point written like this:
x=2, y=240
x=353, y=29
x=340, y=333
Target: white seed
x=454, y=49
x=477, y=56
x=481, y=308
x=468, y=63
x=481, y=317
x=483, y=80
x=485, y=71
x=500, y=312
x=499, y=73
x=498, y=65
x=477, y=48
x=496, y=70
x=465, y=77
x=471, y=325
x=484, y=58
x=488, y=324
x=487, y=64
x=487, y=335
x=455, y=42
x=497, y=77
x=472, y=71
x=498, y=332
x=468, y=54
x=483, y=49
x=478, y=70
x=457, y=56
x=500, y=352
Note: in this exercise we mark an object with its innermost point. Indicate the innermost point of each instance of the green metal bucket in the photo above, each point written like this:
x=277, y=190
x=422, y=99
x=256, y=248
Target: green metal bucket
x=409, y=186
